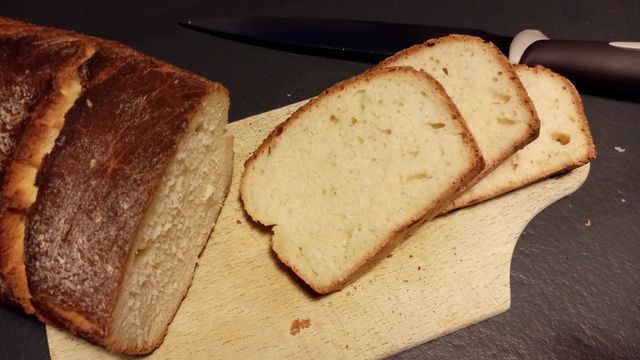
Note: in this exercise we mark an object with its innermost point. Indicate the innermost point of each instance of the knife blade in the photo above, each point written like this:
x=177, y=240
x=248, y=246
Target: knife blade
x=613, y=65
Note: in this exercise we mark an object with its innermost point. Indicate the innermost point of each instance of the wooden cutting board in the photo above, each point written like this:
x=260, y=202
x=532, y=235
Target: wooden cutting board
x=453, y=272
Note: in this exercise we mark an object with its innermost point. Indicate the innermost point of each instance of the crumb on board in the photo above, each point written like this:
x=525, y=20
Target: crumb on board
x=619, y=149
x=587, y=222
x=299, y=324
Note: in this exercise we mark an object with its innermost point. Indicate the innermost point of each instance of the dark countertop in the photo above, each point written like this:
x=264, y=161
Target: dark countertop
x=575, y=288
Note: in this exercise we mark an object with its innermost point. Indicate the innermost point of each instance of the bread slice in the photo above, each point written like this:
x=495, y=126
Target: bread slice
x=127, y=200
x=484, y=87
x=343, y=179
x=39, y=82
x=564, y=143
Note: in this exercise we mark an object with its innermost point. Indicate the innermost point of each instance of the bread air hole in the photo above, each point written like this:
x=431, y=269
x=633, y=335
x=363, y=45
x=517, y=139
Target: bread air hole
x=360, y=95
x=333, y=119
x=354, y=121
x=418, y=176
x=501, y=98
x=506, y=121
x=562, y=138
x=330, y=191
x=436, y=125
x=445, y=71
x=349, y=233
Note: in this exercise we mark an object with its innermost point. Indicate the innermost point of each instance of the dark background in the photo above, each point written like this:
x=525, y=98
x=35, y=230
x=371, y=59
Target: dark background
x=575, y=288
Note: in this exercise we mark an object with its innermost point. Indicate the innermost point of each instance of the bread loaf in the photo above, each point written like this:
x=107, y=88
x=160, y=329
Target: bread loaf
x=343, y=179
x=564, y=143
x=126, y=199
x=38, y=84
x=484, y=87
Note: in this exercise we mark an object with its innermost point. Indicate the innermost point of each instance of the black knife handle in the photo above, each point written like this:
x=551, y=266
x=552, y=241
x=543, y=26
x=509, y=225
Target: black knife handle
x=588, y=62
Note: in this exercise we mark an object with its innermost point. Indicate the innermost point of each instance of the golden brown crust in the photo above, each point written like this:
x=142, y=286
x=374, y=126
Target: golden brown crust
x=35, y=67
x=533, y=126
x=430, y=210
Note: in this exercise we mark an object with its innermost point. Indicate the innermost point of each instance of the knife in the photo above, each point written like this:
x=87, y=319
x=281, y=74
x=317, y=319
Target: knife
x=614, y=65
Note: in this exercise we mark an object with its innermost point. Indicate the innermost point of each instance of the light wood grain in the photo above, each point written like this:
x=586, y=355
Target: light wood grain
x=451, y=273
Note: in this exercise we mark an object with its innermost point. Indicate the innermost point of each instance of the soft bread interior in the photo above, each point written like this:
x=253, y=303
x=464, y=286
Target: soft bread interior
x=174, y=230
x=483, y=87
x=564, y=142
x=352, y=168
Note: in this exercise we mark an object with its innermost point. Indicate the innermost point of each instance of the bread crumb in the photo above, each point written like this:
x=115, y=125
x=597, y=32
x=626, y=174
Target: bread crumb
x=299, y=324
x=619, y=149
x=89, y=104
x=623, y=200
x=587, y=223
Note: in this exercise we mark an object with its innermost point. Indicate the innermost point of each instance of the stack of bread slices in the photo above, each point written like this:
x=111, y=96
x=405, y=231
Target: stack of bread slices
x=437, y=127
x=113, y=168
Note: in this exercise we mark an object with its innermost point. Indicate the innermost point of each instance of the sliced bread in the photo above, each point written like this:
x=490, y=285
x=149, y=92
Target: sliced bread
x=344, y=178
x=482, y=84
x=127, y=199
x=39, y=82
x=564, y=143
